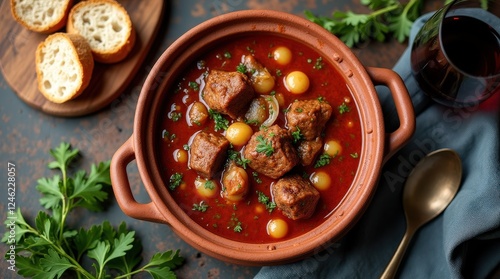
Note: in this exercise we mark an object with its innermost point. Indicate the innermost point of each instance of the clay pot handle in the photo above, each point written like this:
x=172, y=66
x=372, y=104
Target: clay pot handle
x=121, y=187
x=404, y=108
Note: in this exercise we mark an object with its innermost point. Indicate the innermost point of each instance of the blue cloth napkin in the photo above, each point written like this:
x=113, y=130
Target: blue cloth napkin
x=462, y=242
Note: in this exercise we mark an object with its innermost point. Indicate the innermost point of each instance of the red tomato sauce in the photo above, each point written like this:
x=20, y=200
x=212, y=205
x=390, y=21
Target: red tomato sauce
x=246, y=221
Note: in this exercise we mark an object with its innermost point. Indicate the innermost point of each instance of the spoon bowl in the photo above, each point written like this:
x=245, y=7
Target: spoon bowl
x=431, y=186
x=429, y=189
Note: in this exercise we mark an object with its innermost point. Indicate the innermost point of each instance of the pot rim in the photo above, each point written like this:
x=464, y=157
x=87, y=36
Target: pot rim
x=363, y=92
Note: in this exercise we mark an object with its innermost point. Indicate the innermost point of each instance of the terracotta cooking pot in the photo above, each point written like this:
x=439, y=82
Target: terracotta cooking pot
x=377, y=145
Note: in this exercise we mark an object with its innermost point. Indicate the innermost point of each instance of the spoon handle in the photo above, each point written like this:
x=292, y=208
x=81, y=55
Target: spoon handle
x=392, y=267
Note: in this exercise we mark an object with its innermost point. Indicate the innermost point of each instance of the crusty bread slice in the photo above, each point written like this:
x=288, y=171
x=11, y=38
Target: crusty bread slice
x=45, y=16
x=107, y=27
x=64, y=66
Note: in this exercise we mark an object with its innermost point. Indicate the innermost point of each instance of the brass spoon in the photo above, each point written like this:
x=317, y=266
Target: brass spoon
x=429, y=189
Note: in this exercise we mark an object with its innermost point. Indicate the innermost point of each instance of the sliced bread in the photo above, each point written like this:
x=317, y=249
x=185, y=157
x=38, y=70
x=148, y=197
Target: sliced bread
x=107, y=27
x=41, y=16
x=64, y=66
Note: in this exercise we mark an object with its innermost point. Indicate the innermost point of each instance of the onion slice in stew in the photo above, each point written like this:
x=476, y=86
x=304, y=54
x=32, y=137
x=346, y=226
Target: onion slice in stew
x=263, y=110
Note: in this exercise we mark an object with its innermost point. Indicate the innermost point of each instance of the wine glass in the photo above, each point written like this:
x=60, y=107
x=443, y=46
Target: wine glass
x=455, y=57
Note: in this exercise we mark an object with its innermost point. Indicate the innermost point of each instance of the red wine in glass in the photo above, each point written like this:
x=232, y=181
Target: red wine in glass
x=456, y=55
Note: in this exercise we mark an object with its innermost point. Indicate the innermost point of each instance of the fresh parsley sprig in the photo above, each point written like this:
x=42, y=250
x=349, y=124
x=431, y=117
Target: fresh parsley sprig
x=323, y=160
x=267, y=201
x=51, y=249
x=386, y=17
x=221, y=123
x=264, y=146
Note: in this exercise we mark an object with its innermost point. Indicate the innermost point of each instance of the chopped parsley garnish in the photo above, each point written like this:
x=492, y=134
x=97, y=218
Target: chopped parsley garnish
x=201, y=207
x=256, y=177
x=323, y=160
x=165, y=135
x=265, y=200
x=243, y=162
x=209, y=184
x=264, y=146
x=227, y=54
x=319, y=64
x=241, y=68
x=235, y=156
x=297, y=135
x=238, y=227
x=355, y=155
x=185, y=147
x=343, y=108
x=235, y=223
x=175, y=116
x=194, y=85
x=175, y=180
x=252, y=122
x=221, y=123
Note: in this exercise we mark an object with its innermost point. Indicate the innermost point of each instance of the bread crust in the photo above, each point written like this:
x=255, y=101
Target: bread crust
x=51, y=27
x=81, y=50
x=116, y=53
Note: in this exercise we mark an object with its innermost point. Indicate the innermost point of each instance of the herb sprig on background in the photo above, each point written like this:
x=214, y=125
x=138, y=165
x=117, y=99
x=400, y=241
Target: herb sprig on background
x=51, y=249
x=386, y=18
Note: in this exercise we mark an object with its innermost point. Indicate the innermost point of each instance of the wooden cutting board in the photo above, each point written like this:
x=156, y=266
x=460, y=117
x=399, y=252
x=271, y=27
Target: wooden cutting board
x=17, y=61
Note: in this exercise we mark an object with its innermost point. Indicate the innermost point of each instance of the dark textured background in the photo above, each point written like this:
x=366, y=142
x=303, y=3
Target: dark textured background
x=26, y=135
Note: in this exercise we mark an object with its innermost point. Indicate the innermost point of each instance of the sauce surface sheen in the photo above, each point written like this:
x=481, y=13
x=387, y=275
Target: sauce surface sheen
x=247, y=220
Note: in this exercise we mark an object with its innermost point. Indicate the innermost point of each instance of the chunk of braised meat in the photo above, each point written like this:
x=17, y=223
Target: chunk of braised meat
x=207, y=153
x=235, y=183
x=309, y=117
x=308, y=150
x=228, y=93
x=271, y=152
x=295, y=196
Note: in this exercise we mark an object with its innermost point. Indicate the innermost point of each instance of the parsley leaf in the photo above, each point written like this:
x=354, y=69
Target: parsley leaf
x=63, y=155
x=54, y=265
x=241, y=68
x=256, y=177
x=106, y=251
x=235, y=156
x=51, y=249
x=323, y=160
x=265, y=200
x=385, y=18
x=175, y=180
x=194, y=85
x=238, y=227
x=202, y=206
x=209, y=184
x=264, y=146
x=297, y=135
x=221, y=123
x=343, y=108
x=175, y=116
x=161, y=264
